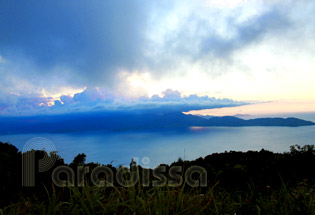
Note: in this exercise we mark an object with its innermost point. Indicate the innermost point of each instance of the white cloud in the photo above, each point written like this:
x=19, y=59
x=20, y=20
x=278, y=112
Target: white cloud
x=95, y=99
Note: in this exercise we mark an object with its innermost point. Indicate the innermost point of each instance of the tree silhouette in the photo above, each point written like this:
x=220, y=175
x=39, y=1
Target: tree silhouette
x=79, y=159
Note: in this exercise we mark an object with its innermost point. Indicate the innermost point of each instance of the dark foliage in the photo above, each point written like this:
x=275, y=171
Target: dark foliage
x=233, y=171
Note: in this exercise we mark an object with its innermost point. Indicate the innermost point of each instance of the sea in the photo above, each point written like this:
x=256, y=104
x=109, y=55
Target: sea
x=151, y=148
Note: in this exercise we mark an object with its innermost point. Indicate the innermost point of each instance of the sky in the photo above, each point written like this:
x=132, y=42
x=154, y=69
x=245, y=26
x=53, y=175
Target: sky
x=59, y=56
x=284, y=108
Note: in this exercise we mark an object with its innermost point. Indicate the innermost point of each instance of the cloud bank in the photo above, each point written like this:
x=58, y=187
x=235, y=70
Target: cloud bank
x=93, y=99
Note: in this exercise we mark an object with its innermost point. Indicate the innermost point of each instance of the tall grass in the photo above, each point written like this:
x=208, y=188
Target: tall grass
x=170, y=200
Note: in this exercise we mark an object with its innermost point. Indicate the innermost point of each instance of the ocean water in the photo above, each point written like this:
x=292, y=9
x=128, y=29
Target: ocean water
x=154, y=147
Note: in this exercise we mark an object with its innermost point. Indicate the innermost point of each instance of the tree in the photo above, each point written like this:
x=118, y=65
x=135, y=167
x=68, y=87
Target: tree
x=79, y=159
x=298, y=149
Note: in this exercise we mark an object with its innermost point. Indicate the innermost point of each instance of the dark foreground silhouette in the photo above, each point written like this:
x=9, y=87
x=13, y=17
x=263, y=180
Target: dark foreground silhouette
x=236, y=183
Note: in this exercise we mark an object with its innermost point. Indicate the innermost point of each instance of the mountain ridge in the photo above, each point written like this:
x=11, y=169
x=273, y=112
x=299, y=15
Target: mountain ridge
x=130, y=120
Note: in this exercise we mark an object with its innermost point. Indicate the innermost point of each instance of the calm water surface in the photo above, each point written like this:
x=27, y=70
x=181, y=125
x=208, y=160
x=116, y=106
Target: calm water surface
x=167, y=146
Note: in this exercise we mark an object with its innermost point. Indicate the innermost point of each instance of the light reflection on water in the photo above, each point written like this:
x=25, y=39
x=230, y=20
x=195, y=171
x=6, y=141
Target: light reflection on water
x=168, y=146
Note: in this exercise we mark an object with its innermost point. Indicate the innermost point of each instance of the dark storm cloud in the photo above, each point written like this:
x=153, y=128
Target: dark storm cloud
x=88, y=42
x=91, y=38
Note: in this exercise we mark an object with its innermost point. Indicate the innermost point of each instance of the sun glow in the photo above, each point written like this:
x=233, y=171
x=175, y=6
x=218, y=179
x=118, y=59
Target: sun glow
x=265, y=108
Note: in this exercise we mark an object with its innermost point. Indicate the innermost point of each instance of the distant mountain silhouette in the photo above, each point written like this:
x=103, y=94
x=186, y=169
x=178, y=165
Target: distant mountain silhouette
x=129, y=120
x=234, y=121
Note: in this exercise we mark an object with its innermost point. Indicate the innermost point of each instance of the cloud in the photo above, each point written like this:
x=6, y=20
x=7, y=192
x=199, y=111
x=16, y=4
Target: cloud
x=66, y=100
x=28, y=104
x=90, y=40
x=95, y=99
x=171, y=100
x=210, y=37
x=174, y=100
x=89, y=95
x=59, y=44
x=252, y=31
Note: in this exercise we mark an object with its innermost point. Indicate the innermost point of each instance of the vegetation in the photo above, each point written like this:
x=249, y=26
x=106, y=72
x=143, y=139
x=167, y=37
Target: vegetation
x=237, y=183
